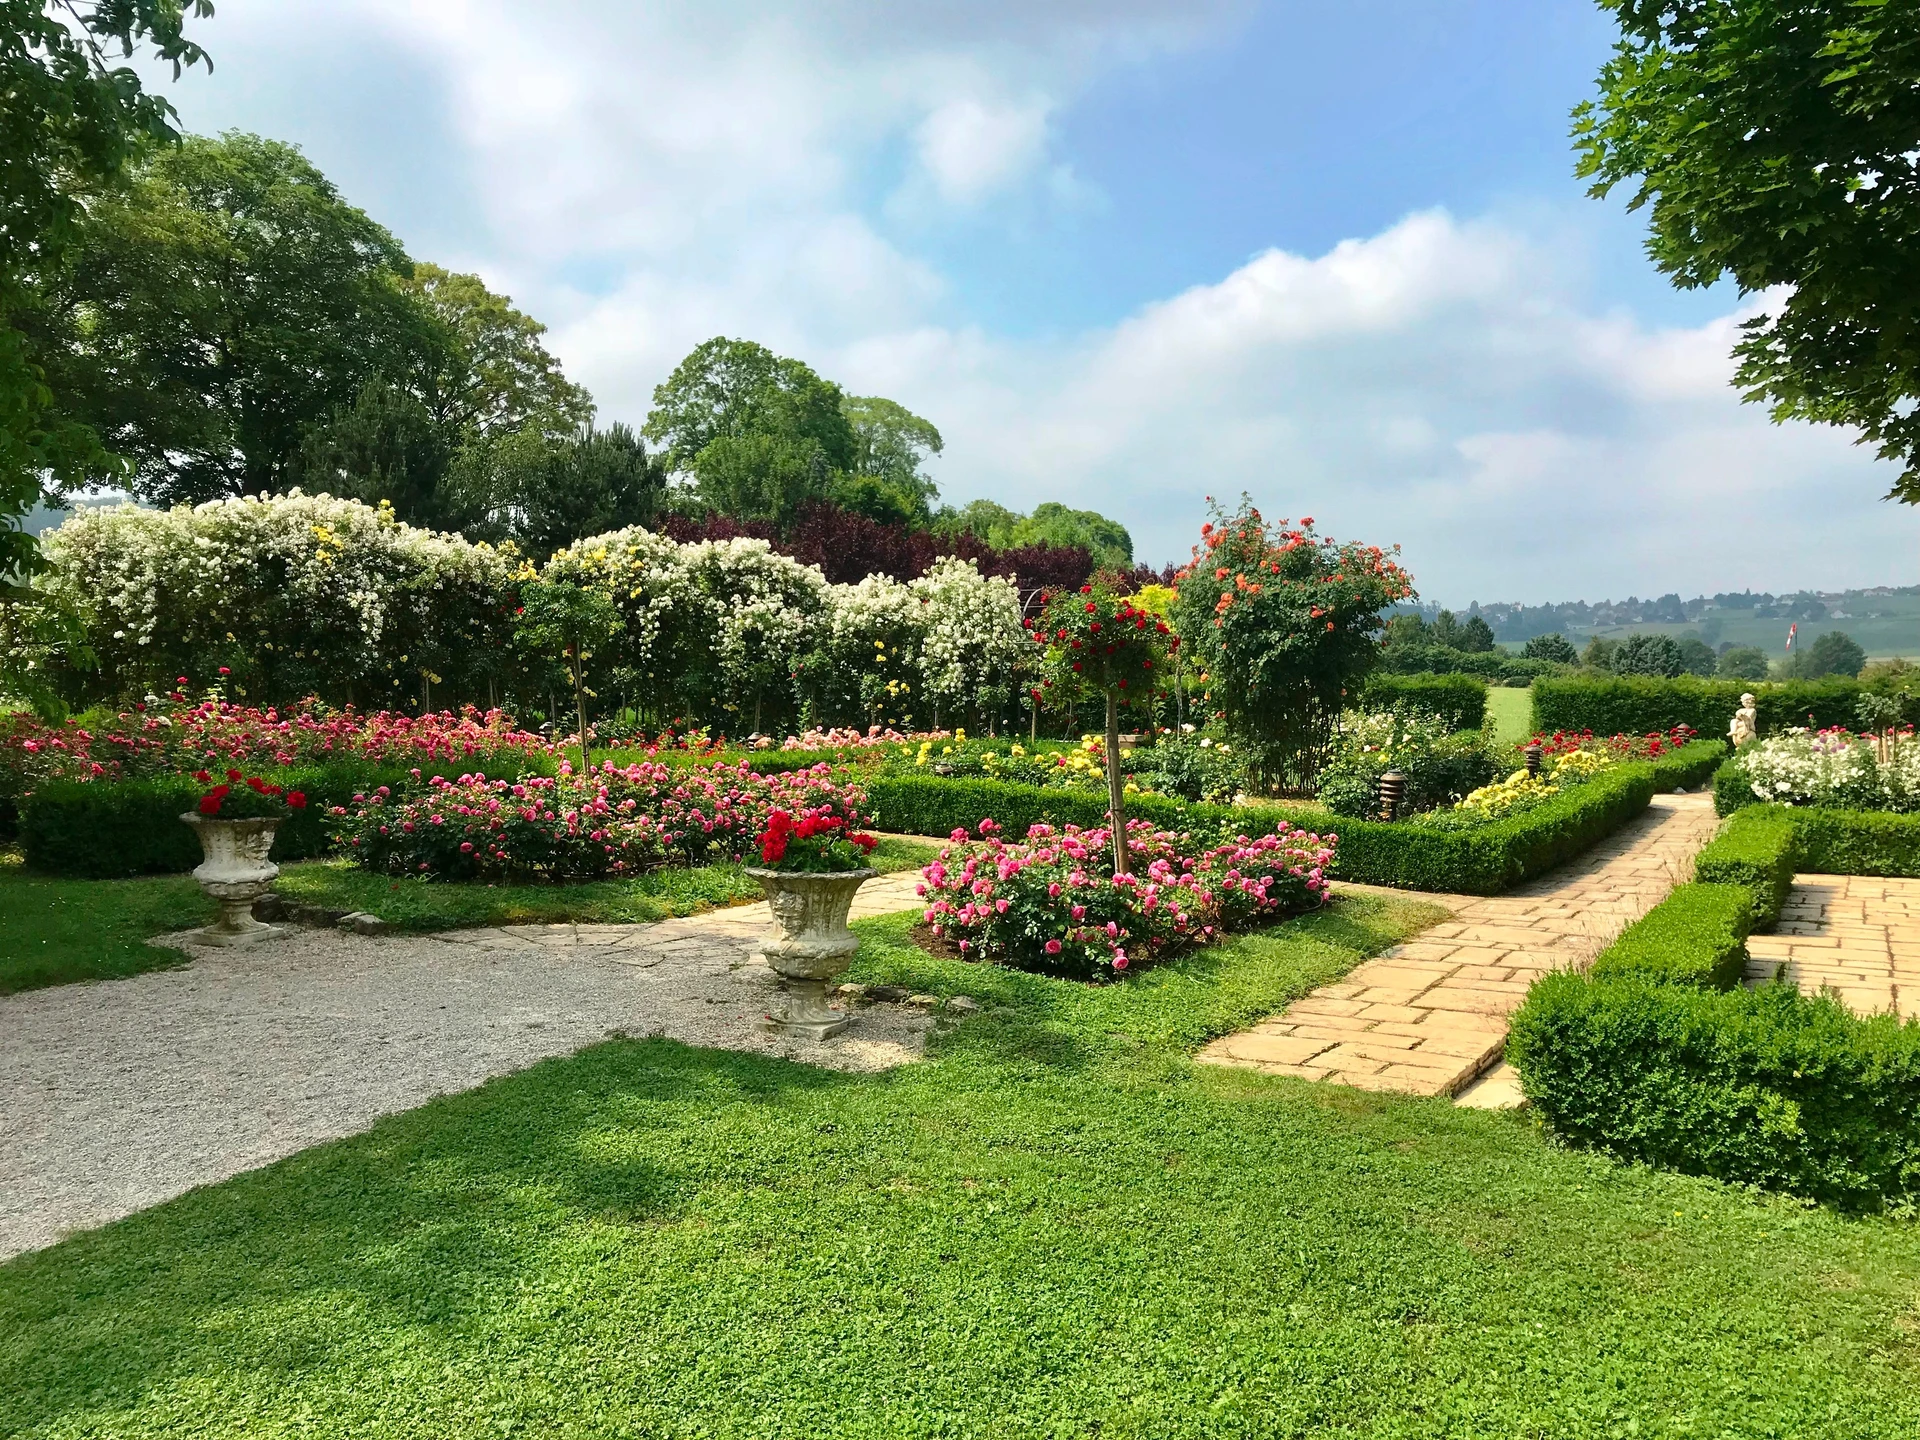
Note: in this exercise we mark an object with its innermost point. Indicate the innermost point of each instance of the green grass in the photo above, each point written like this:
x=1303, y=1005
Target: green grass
x=53, y=932
x=425, y=905
x=1056, y=1226
x=1510, y=713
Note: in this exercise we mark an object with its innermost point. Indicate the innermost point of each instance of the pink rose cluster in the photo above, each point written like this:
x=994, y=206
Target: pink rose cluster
x=1051, y=903
x=609, y=821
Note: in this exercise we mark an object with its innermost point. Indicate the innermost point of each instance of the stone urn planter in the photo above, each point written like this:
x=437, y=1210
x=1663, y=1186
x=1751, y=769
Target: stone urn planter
x=810, y=945
x=235, y=873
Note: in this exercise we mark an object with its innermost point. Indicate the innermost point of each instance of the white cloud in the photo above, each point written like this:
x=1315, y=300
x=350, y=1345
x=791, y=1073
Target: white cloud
x=646, y=176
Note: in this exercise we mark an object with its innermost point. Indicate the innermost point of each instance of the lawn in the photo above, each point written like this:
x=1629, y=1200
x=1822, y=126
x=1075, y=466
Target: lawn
x=56, y=931
x=53, y=932
x=1510, y=711
x=1057, y=1225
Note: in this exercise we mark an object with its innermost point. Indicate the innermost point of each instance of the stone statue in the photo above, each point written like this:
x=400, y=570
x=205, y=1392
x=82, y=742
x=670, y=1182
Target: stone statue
x=1746, y=722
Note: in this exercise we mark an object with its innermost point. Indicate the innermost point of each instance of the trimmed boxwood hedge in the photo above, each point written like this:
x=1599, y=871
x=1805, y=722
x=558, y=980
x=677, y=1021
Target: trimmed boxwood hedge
x=96, y=831
x=1760, y=851
x=1482, y=861
x=1648, y=1061
x=1641, y=705
x=1659, y=1056
x=1460, y=700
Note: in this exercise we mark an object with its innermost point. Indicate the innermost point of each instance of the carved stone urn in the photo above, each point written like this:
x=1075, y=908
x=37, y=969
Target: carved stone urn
x=809, y=946
x=236, y=872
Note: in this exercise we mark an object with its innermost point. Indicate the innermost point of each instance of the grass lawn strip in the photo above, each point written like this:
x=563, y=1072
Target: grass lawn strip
x=1057, y=1226
x=56, y=931
x=1510, y=713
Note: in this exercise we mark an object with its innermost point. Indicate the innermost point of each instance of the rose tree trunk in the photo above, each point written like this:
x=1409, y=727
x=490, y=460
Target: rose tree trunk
x=1116, y=792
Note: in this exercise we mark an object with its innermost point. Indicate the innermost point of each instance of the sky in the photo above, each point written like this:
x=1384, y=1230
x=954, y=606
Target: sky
x=1125, y=254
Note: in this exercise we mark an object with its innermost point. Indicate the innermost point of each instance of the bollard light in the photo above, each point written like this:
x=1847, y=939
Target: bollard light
x=1393, y=793
x=1533, y=753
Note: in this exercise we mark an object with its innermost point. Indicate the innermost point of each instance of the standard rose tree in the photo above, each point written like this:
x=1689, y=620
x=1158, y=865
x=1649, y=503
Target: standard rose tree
x=1099, y=643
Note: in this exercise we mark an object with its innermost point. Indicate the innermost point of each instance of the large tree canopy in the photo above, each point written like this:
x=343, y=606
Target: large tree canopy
x=1778, y=142
x=733, y=389
x=493, y=375
x=69, y=121
x=222, y=302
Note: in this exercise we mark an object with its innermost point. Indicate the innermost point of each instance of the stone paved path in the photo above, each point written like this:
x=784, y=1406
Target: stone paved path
x=1429, y=1016
x=121, y=1095
x=1854, y=934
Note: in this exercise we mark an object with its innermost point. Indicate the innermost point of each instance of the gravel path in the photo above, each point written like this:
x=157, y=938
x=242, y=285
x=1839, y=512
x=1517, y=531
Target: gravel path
x=123, y=1094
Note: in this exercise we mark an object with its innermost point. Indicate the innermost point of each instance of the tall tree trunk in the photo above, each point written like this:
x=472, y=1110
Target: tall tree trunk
x=1116, y=789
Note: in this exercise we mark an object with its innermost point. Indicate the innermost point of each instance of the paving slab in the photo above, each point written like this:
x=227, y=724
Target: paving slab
x=1853, y=936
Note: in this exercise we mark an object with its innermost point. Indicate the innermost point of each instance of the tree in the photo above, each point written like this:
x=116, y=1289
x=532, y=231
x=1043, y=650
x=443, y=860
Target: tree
x=1599, y=653
x=891, y=445
x=387, y=445
x=223, y=301
x=1834, y=653
x=1776, y=143
x=1555, y=647
x=569, y=622
x=543, y=494
x=1697, y=657
x=69, y=125
x=735, y=389
x=1050, y=523
x=1098, y=643
x=1282, y=622
x=1476, y=636
x=1743, y=662
x=1648, y=655
x=761, y=476
x=493, y=375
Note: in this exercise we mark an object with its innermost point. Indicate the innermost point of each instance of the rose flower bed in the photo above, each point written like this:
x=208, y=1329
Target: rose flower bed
x=609, y=821
x=1052, y=904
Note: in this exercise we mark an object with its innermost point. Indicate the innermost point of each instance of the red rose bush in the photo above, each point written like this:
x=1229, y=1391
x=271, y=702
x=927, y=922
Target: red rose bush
x=1052, y=903
x=823, y=840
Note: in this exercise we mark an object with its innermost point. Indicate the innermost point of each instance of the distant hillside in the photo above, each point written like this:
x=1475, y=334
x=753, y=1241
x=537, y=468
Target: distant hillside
x=1885, y=620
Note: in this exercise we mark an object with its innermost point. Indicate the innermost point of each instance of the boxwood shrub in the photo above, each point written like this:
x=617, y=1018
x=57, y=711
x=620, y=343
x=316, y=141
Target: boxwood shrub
x=1759, y=851
x=1482, y=861
x=1459, y=700
x=1641, y=705
x=1696, y=936
x=1856, y=842
x=97, y=831
x=1761, y=1087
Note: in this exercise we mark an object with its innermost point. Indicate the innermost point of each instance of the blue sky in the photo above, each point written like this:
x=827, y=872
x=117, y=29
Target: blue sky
x=1125, y=253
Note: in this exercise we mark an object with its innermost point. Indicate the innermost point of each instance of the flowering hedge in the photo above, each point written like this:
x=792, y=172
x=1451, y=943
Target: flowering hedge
x=606, y=821
x=1053, y=903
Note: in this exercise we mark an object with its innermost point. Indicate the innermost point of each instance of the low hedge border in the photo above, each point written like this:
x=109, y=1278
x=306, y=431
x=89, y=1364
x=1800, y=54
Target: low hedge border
x=1831, y=841
x=1758, y=850
x=1460, y=700
x=1659, y=1056
x=109, y=831
x=1484, y=861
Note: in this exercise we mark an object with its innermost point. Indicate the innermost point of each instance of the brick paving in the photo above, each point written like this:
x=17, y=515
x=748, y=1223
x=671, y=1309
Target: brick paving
x=1855, y=935
x=1428, y=1016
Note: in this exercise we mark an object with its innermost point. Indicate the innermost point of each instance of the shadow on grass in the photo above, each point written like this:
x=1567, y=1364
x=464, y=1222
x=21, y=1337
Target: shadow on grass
x=421, y=1222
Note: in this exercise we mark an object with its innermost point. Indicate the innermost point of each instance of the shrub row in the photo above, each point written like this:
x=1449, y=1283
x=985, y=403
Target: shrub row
x=1642, y=705
x=97, y=831
x=1481, y=861
x=1659, y=1057
x=1459, y=700
x=1760, y=852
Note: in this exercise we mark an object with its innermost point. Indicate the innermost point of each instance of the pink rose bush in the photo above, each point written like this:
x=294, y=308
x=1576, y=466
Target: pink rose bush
x=610, y=821
x=1052, y=903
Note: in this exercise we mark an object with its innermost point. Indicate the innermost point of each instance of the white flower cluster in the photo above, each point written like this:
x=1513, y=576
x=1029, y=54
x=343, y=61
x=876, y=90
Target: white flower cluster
x=974, y=646
x=1835, y=768
x=293, y=587
x=306, y=593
